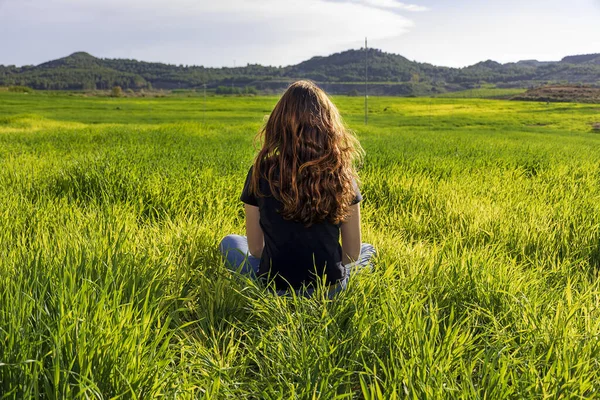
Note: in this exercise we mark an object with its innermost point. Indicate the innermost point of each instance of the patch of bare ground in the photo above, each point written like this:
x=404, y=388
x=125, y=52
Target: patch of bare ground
x=562, y=93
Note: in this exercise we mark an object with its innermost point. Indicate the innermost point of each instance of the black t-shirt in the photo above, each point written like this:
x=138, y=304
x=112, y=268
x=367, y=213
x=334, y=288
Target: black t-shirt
x=295, y=254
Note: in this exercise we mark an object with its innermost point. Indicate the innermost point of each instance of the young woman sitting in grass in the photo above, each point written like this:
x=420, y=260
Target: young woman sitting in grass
x=299, y=195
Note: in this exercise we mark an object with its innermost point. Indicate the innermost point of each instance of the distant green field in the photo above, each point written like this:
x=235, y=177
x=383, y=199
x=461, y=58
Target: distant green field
x=483, y=93
x=486, y=216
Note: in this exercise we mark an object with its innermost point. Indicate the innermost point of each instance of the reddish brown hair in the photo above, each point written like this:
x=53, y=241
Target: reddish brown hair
x=307, y=157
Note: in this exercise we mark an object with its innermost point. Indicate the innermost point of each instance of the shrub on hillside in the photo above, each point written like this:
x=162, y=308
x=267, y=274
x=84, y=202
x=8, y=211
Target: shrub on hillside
x=116, y=91
x=20, y=89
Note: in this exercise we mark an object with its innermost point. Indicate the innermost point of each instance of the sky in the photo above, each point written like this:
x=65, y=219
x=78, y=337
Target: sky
x=230, y=33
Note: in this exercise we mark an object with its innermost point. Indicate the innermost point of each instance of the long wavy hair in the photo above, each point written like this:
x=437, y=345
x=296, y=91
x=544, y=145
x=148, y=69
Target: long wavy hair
x=308, y=157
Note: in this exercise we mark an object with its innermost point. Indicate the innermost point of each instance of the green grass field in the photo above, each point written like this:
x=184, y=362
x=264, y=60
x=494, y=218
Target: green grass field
x=486, y=216
x=483, y=93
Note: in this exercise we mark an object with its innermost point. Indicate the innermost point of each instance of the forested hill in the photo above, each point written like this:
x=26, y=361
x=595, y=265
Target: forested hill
x=392, y=73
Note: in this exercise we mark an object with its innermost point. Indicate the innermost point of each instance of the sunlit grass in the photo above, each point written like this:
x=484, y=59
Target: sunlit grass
x=483, y=93
x=486, y=216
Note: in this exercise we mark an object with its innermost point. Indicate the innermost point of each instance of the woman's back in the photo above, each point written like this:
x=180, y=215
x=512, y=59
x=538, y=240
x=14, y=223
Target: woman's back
x=295, y=254
x=301, y=193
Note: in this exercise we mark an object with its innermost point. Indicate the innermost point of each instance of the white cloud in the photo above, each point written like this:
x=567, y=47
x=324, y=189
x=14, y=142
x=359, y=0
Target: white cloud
x=389, y=5
x=201, y=32
x=232, y=5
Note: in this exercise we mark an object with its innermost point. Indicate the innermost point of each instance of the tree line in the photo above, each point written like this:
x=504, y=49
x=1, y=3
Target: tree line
x=81, y=71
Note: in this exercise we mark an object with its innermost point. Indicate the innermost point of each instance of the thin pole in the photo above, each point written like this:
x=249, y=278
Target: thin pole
x=204, y=113
x=232, y=77
x=366, y=85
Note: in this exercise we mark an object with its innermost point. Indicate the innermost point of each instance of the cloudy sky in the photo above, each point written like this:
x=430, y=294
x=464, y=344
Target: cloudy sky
x=283, y=32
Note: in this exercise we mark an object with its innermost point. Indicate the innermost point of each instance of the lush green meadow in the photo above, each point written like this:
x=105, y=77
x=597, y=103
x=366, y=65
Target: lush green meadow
x=483, y=93
x=485, y=214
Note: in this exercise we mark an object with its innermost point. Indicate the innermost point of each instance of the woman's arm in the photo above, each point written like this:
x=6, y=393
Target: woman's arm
x=256, y=240
x=351, y=240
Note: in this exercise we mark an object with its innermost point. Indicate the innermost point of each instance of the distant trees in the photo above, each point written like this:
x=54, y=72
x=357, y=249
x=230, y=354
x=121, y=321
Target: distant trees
x=82, y=71
x=249, y=90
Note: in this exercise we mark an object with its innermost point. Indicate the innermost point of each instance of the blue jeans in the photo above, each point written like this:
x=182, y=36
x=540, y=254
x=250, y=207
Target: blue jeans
x=234, y=249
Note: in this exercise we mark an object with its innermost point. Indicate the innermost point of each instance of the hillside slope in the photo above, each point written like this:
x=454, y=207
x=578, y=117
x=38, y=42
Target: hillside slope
x=343, y=71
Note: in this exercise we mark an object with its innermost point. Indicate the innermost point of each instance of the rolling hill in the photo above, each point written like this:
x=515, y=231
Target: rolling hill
x=340, y=73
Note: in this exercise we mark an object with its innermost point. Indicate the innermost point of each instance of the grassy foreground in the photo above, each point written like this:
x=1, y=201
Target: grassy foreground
x=486, y=216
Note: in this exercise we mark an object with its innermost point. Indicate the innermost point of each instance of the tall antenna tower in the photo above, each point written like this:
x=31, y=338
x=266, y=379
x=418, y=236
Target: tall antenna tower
x=366, y=84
